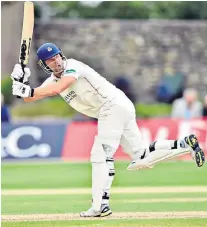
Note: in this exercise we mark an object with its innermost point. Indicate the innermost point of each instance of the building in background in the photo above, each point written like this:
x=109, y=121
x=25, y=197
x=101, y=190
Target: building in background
x=141, y=42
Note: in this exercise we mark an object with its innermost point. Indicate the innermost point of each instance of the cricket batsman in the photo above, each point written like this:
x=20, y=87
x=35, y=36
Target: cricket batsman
x=88, y=92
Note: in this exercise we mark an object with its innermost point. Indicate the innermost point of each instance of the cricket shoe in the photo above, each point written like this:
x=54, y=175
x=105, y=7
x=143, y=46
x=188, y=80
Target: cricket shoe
x=198, y=153
x=105, y=211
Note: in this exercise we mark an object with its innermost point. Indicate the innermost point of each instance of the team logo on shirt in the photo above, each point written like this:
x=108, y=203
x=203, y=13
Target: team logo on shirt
x=70, y=71
x=70, y=96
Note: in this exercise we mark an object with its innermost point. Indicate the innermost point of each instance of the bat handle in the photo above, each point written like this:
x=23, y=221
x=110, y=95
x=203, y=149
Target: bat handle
x=22, y=79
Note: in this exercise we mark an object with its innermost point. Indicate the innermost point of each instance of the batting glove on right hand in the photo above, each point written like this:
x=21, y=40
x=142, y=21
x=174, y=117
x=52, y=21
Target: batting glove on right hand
x=22, y=90
x=18, y=73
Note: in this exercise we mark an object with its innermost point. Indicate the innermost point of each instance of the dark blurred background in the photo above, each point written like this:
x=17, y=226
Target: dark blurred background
x=153, y=51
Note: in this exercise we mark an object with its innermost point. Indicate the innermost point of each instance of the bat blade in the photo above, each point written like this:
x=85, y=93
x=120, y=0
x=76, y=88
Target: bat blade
x=27, y=32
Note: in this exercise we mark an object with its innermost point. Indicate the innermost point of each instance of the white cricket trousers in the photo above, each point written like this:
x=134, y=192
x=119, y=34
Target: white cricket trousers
x=117, y=126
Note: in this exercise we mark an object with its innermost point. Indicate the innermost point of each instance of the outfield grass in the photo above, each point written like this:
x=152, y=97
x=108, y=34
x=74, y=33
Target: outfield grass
x=73, y=175
x=113, y=223
x=75, y=203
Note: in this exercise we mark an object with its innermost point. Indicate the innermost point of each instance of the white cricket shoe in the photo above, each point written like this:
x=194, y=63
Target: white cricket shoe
x=90, y=213
x=105, y=211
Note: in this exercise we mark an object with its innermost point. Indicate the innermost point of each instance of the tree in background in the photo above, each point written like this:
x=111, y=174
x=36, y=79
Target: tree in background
x=130, y=10
x=179, y=10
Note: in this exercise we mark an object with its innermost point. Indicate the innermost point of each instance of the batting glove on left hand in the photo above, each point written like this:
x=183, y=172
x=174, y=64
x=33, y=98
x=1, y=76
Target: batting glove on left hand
x=18, y=73
x=22, y=90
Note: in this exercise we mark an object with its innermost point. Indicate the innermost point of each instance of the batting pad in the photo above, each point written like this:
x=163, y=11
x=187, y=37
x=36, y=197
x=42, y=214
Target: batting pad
x=156, y=157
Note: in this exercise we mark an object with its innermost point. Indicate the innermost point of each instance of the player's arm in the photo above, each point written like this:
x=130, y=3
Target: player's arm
x=55, y=88
x=17, y=74
x=32, y=94
x=51, y=89
x=32, y=99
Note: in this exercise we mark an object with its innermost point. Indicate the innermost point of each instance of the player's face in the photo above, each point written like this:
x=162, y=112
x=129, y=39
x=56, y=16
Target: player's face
x=55, y=63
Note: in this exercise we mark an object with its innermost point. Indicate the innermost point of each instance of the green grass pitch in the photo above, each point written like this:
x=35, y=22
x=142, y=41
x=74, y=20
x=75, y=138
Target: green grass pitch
x=63, y=176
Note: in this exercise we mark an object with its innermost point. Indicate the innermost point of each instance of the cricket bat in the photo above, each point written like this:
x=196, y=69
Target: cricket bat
x=27, y=32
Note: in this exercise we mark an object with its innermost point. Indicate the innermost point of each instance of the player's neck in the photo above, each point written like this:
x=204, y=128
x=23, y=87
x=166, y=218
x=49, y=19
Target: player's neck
x=58, y=75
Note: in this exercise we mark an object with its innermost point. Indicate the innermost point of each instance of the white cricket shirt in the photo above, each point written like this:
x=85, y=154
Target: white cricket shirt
x=90, y=91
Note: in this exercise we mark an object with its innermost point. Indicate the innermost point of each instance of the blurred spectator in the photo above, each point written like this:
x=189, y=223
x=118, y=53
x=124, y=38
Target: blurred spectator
x=205, y=106
x=5, y=116
x=123, y=83
x=187, y=107
x=170, y=87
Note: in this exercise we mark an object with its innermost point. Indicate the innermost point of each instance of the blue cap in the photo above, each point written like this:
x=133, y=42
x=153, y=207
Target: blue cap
x=47, y=50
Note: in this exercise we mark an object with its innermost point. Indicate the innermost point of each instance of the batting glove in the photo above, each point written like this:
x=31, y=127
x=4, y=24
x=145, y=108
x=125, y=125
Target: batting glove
x=18, y=73
x=22, y=90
